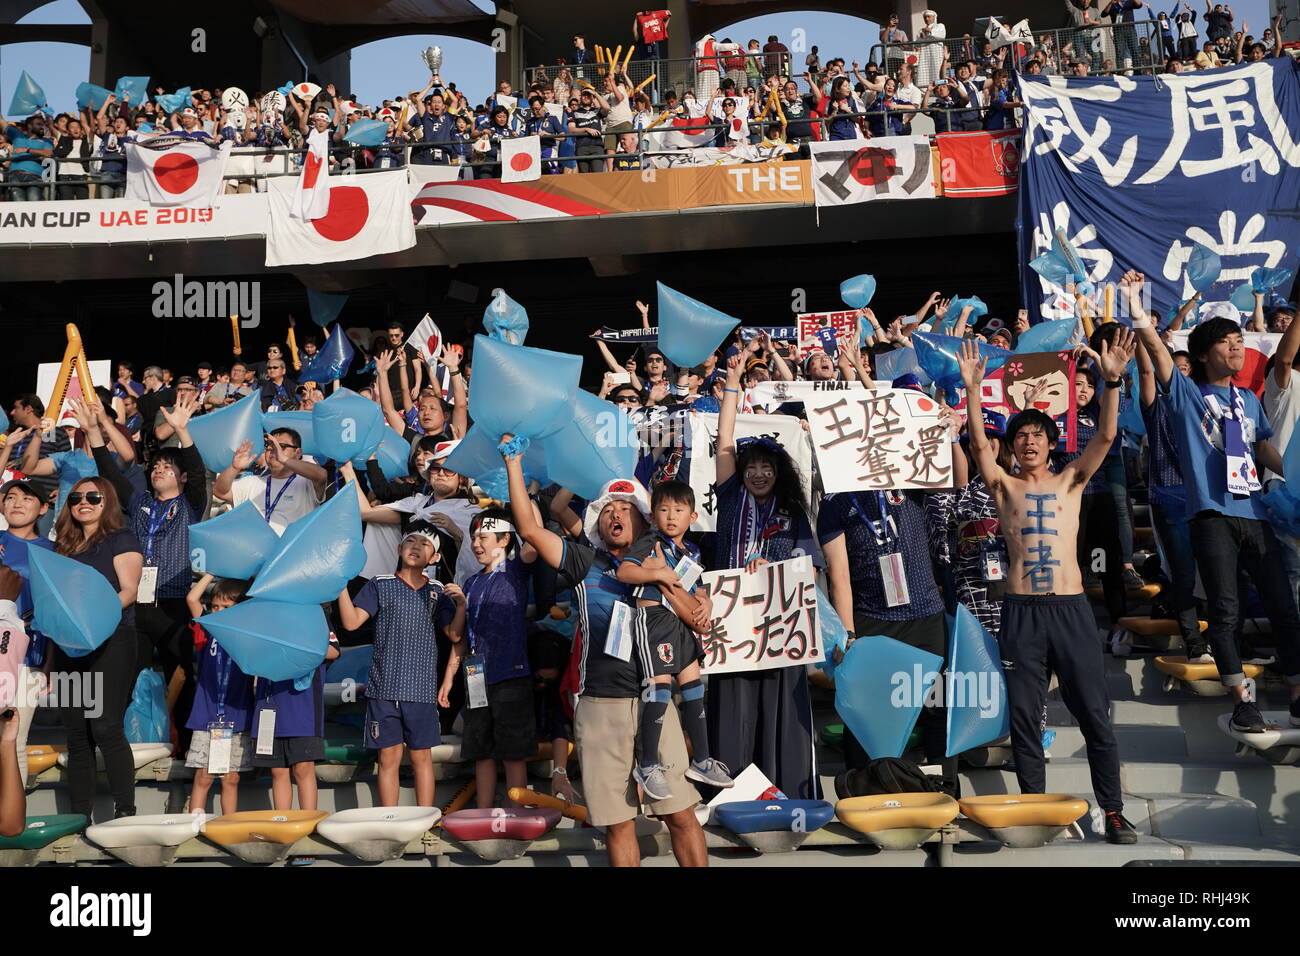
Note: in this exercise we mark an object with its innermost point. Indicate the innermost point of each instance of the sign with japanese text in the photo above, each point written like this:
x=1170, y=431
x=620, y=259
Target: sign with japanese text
x=880, y=438
x=1113, y=162
x=762, y=620
x=785, y=430
x=822, y=330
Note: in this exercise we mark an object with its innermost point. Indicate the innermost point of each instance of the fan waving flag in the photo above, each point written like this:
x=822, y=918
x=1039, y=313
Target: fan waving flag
x=173, y=171
x=311, y=197
x=427, y=340
x=365, y=216
x=521, y=159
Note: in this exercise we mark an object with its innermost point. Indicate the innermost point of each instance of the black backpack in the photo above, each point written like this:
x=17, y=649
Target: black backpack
x=886, y=775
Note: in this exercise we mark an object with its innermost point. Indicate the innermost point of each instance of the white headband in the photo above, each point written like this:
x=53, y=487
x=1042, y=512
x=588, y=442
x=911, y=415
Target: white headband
x=495, y=526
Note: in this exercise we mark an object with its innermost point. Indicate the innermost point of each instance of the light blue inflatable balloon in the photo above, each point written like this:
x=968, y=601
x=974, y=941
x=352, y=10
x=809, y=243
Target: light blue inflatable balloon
x=937, y=354
x=1047, y=337
x=858, y=292
x=1265, y=280
x=88, y=94
x=1051, y=268
x=891, y=365
x=1243, y=297
x=347, y=426
x=132, y=89
x=393, y=456
x=318, y=554
x=505, y=319
x=835, y=636
x=520, y=390
x=272, y=639
x=1283, y=509
x=1291, y=467
x=978, y=712
x=75, y=605
x=477, y=457
x=1203, y=268
x=28, y=97
x=879, y=712
x=366, y=132
x=597, y=446
x=171, y=102
x=4, y=421
x=953, y=313
x=325, y=306
x=300, y=422
x=218, y=434
x=689, y=331
x=353, y=663
x=233, y=545
x=332, y=361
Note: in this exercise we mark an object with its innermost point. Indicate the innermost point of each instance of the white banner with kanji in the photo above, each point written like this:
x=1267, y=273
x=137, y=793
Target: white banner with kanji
x=762, y=620
x=785, y=430
x=880, y=438
x=823, y=330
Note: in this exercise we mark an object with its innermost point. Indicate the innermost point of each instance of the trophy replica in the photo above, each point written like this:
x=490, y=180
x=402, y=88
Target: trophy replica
x=433, y=59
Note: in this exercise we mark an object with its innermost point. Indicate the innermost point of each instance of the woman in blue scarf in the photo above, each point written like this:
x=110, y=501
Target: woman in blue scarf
x=761, y=717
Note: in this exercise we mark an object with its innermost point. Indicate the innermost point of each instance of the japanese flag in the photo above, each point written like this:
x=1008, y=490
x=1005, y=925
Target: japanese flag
x=175, y=172
x=311, y=195
x=521, y=159
x=365, y=216
x=427, y=340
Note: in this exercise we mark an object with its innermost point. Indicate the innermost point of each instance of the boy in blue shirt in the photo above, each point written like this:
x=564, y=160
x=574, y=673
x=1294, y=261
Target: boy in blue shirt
x=223, y=703
x=666, y=641
x=401, y=689
x=1222, y=442
x=500, y=721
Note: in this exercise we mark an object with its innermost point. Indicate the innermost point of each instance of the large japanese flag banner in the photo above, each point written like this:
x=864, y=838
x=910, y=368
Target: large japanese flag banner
x=762, y=620
x=1136, y=170
x=367, y=215
x=887, y=167
x=785, y=430
x=311, y=195
x=880, y=438
x=1259, y=346
x=170, y=171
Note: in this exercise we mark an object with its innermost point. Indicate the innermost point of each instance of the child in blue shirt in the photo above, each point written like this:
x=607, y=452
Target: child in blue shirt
x=666, y=641
x=401, y=689
x=223, y=701
x=499, y=718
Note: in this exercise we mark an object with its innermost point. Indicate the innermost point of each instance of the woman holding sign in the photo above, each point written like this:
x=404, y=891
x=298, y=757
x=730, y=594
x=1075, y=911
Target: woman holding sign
x=761, y=717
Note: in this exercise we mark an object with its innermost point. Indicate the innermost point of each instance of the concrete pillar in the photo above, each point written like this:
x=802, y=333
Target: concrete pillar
x=507, y=42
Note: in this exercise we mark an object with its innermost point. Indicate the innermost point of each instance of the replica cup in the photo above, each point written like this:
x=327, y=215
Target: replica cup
x=433, y=59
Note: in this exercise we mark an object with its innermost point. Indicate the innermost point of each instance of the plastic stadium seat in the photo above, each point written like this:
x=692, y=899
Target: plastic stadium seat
x=897, y=821
x=1026, y=819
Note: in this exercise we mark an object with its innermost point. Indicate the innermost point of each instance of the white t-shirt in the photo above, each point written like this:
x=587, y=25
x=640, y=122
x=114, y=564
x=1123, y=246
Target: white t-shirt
x=291, y=498
x=910, y=94
x=1282, y=406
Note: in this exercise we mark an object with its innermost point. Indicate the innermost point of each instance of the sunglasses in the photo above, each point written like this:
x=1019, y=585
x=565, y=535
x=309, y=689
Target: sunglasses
x=90, y=497
x=627, y=399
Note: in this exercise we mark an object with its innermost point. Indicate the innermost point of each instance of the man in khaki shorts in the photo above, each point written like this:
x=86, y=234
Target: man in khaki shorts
x=609, y=701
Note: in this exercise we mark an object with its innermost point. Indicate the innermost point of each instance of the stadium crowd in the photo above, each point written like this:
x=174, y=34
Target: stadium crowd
x=592, y=116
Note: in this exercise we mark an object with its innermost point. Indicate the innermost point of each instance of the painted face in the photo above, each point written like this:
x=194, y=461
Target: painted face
x=1053, y=400
x=759, y=478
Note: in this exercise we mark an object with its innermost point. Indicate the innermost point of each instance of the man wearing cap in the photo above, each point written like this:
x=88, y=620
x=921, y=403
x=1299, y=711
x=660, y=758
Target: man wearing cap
x=277, y=390
x=22, y=506
x=607, y=713
x=187, y=390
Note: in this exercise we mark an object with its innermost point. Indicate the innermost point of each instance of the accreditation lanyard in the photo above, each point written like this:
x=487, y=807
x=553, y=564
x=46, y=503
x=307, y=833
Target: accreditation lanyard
x=225, y=664
x=481, y=589
x=885, y=529
x=157, y=518
x=271, y=505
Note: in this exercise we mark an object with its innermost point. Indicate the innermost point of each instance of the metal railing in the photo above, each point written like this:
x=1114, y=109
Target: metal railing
x=1105, y=48
x=700, y=75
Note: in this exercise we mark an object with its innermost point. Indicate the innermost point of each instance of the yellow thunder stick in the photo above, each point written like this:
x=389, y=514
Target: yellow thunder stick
x=234, y=331
x=644, y=83
x=60, y=391
x=293, y=346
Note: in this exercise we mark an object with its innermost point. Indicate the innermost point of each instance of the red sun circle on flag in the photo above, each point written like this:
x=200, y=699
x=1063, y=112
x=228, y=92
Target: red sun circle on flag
x=873, y=166
x=346, y=216
x=924, y=404
x=176, y=172
x=520, y=162
x=433, y=345
x=311, y=171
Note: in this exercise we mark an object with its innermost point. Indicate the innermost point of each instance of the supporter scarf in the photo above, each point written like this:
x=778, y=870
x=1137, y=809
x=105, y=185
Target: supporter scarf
x=1242, y=476
x=766, y=531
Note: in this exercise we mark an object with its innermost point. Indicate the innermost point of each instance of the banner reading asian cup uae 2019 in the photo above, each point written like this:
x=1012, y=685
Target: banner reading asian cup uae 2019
x=1136, y=170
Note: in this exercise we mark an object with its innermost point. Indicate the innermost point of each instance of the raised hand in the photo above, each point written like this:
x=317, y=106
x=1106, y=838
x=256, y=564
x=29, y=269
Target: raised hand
x=450, y=358
x=734, y=370
x=384, y=361
x=1116, y=356
x=179, y=416
x=972, y=365
x=243, y=456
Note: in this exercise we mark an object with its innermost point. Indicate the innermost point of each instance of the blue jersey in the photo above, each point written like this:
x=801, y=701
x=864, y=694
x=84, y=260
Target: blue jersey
x=594, y=577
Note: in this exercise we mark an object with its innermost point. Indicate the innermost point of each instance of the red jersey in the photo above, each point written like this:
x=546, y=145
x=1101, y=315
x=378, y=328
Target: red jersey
x=654, y=25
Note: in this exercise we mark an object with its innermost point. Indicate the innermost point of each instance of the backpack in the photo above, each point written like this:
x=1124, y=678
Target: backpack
x=885, y=775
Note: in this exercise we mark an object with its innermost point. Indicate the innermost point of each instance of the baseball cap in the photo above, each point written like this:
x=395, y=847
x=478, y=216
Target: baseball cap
x=619, y=489
x=22, y=483
x=443, y=449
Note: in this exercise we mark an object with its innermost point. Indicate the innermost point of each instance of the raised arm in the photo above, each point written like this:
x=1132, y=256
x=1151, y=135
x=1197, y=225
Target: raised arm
x=548, y=544
x=1112, y=362
x=972, y=367
x=561, y=512
x=1146, y=379
x=1184, y=311
x=459, y=394
x=1144, y=326
x=383, y=362
x=350, y=616
x=1285, y=354
x=725, y=462
x=221, y=487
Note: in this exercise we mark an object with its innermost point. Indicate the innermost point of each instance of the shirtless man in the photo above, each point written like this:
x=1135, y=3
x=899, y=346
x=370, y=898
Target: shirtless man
x=1046, y=619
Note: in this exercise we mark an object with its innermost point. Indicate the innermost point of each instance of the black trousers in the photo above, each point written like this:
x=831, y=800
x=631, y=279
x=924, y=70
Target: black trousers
x=164, y=627
x=765, y=718
x=927, y=634
x=106, y=677
x=1222, y=544
x=1057, y=634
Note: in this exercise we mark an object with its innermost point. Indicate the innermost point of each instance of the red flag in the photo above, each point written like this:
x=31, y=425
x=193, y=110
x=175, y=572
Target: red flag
x=979, y=164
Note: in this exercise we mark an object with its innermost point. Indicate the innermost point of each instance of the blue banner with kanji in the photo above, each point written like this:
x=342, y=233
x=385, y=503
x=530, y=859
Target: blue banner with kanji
x=1136, y=170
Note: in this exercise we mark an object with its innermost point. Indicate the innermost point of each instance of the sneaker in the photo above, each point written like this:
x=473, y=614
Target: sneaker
x=1246, y=718
x=653, y=781
x=1260, y=658
x=1119, y=830
x=710, y=771
x=1132, y=580
x=1295, y=712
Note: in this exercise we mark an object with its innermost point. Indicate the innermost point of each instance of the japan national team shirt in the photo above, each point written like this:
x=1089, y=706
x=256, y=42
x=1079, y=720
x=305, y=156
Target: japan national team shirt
x=593, y=575
x=496, y=602
x=407, y=621
x=1199, y=439
x=644, y=547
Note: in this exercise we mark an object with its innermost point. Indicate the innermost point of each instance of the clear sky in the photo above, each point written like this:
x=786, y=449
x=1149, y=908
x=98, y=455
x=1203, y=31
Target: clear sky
x=391, y=67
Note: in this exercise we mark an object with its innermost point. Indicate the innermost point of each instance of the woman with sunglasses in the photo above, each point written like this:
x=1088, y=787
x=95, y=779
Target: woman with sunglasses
x=761, y=717
x=91, y=530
